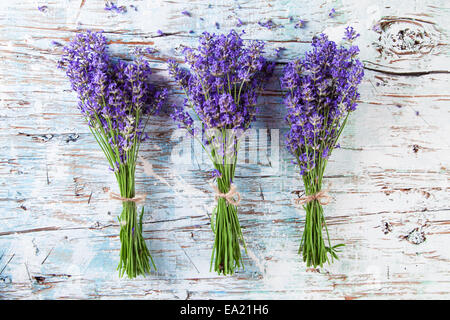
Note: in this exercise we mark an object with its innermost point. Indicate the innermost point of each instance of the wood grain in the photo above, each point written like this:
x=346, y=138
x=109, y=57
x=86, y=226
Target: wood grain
x=390, y=180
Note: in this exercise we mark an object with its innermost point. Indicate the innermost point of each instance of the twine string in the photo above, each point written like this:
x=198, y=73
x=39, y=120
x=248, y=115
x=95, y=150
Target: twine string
x=136, y=199
x=322, y=197
x=232, y=196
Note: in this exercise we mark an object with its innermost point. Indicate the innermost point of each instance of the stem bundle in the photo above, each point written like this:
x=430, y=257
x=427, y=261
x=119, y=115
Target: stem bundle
x=321, y=93
x=116, y=98
x=134, y=254
x=226, y=254
x=312, y=246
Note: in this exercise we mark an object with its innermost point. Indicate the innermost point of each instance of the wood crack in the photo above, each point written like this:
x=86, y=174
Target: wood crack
x=408, y=73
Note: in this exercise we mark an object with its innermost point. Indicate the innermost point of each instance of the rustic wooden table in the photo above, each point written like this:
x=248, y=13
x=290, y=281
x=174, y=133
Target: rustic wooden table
x=390, y=180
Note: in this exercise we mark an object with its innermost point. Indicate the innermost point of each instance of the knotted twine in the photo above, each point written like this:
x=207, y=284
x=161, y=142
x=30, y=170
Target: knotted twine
x=232, y=196
x=322, y=197
x=136, y=199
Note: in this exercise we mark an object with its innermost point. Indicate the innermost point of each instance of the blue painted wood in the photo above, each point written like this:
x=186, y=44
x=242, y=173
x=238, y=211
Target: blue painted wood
x=390, y=179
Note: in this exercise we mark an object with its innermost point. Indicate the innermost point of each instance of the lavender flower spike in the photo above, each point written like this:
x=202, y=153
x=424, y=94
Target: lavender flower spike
x=350, y=34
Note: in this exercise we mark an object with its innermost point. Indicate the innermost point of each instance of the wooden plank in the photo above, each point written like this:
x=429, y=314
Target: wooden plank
x=389, y=181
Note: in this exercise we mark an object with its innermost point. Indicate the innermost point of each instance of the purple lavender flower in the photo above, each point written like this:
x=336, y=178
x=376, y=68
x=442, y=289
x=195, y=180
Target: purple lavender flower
x=186, y=13
x=350, y=34
x=56, y=43
x=239, y=23
x=140, y=52
x=377, y=28
x=42, y=8
x=279, y=50
x=183, y=118
x=159, y=32
x=216, y=173
x=300, y=24
x=221, y=87
x=114, y=96
x=267, y=24
x=322, y=91
x=332, y=13
x=111, y=6
x=224, y=78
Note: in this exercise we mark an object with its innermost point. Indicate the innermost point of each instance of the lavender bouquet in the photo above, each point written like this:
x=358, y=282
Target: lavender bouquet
x=221, y=88
x=116, y=99
x=322, y=92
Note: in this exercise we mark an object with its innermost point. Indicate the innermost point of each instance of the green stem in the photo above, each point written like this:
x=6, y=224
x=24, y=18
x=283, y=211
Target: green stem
x=312, y=246
x=226, y=255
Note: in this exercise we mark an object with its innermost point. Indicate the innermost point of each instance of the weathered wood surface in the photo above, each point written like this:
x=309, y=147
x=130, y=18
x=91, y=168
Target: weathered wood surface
x=59, y=231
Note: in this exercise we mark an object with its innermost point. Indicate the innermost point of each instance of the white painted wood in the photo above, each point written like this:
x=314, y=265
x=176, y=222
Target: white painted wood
x=59, y=232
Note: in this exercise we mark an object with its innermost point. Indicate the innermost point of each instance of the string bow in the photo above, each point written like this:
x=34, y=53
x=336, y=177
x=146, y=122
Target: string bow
x=232, y=196
x=136, y=199
x=322, y=197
